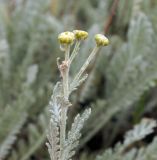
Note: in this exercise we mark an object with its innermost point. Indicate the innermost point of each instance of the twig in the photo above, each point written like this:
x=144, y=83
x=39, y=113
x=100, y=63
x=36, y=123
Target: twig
x=111, y=15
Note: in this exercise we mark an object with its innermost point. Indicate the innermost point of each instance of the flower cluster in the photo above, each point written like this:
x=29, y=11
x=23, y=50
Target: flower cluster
x=67, y=38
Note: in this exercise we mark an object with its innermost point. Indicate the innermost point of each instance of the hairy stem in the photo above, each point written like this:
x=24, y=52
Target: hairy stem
x=66, y=75
x=85, y=65
x=63, y=130
x=64, y=107
x=75, y=51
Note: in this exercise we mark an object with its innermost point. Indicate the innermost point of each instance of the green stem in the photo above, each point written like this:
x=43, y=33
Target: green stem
x=64, y=108
x=66, y=75
x=85, y=65
x=75, y=51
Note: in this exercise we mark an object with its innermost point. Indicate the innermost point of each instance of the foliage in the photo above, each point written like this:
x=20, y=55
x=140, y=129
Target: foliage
x=130, y=73
x=139, y=132
x=122, y=74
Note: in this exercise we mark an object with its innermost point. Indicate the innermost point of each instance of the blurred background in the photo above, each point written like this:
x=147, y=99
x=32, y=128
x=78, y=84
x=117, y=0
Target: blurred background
x=121, y=87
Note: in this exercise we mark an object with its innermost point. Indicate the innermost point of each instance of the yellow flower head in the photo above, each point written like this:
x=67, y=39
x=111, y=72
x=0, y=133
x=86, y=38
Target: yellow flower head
x=101, y=40
x=80, y=35
x=66, y=38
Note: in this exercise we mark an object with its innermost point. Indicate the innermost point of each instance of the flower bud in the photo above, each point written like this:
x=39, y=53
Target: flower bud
x=101, y=40
x=66, y=38
x=80, y=35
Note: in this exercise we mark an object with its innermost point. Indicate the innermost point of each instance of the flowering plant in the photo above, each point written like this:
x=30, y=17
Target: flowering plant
x=61, y=145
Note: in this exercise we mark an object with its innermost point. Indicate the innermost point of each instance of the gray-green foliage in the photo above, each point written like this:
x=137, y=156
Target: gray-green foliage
x=131, y=71
x=35, y=139
x=72, y=139
x=28, y=51
x=144, y=128
x=29, y=31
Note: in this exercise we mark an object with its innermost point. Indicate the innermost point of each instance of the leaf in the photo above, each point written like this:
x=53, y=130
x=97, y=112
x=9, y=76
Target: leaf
x=53, y=131
x=140, y=131
x=10, y=139
x=74, y=134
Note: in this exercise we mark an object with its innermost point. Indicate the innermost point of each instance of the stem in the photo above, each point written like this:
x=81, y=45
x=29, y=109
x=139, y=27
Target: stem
x=63, y=130
x=66, y=76
x=75, y=51
x=85, y=65
x=64, y=108
x=111, y=16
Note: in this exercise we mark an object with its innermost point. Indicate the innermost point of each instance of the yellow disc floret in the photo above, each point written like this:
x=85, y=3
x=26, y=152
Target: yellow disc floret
x=80, y=35
x=66, y=38
x=101, y=40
